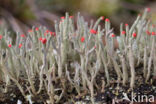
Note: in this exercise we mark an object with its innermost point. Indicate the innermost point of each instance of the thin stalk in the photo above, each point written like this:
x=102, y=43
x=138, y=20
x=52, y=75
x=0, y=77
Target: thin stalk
x=131, y=63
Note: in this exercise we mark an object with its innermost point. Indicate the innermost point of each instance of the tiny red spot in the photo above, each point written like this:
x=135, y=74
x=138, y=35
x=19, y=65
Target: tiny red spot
x=52, y=33
x=63, y=17
x=20, y=45
x=95, y=46
x=9, y=45
x=71, y=17
x=40, y=38
x=112, y=35
x=22, y=35
x=1, y=36
x=102, y=17
x=139, y=14
x=44, y=40
x=47, y=31
x=147, y=32
x=82, y=39
x=126, y=25
x=153, y=33
x=148, y=9
x=123, y=32
x=92, y=31
x=107, y=20
x=134, y=35
x=37, y=29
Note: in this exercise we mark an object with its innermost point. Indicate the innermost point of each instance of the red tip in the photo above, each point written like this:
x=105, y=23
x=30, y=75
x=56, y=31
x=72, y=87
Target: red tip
x=134, y=35
x=20, y=45
x=1, y=36
x=37, y=29
x=147, y=32
x=45, y=34
x=126, y=24
x=107, y=20
x=71, y=17
x=82, y=39
x=9, y=45
x=148, y=9
x=47, y=31
x=139, y=14
x=153, y=33
x=92, y=31
x=44, y=40
x=22, y=35
x=40, y=38
x=52, y=33
x=63, y=17
x=112, y=35
x=102, y=17
x=123, y=32
x=95, y=47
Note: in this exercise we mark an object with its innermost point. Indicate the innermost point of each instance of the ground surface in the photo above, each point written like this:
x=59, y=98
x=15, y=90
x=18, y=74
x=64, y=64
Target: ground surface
x=113, y=92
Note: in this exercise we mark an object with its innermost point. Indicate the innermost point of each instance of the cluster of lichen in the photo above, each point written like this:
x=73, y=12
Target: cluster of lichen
x=76, y=54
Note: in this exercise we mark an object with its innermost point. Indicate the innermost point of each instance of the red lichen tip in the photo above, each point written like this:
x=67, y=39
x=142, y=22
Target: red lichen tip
x=139, y=14
x=107, y=20
x=82, y=39
x=40, y=38
x=1, y=36
x=95, y=46
x=147, y=32
x=9, y=45
x=62, y=17
x=134, y=35
x=112, y=35
x=153, y=33
x=45, y=34
x=52, y=33
x=123, y=32
x=71, y=17
x=47, y=31
x=148, y=9
x=92, y=31
x=22, y=35
x=36, y=28
x=102, y=17
x=20, y=45
x=126, y=25
x=44, y=40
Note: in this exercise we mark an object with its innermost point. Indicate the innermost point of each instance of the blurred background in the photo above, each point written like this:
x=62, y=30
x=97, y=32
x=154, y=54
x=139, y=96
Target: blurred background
x=21, y=15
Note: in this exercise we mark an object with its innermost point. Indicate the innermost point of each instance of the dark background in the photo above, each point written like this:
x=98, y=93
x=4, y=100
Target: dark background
x=21, y=15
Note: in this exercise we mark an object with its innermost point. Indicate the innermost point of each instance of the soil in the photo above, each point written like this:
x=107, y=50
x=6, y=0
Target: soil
x=111, y=93
x=114, y=92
